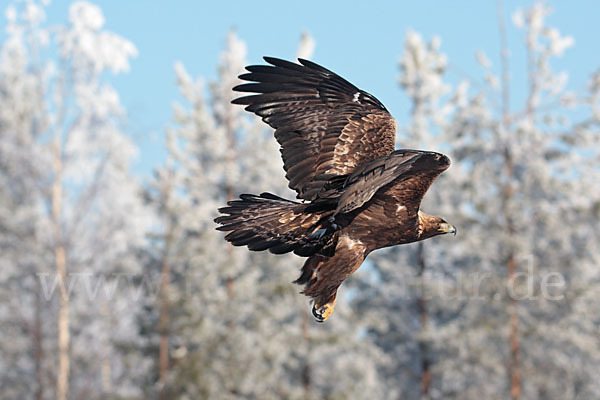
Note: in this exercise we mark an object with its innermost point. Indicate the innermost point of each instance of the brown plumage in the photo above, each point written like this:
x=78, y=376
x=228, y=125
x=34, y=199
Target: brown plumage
x=337, y=145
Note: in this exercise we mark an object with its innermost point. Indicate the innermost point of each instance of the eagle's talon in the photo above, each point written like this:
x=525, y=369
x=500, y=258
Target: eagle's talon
x=332, y=223
x=322, y=313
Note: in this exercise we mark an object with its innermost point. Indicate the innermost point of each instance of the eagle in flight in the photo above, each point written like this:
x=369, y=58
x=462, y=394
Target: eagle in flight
x=357, y=193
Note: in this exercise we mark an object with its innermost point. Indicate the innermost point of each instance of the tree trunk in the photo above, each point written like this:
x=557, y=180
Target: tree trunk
x=62, y=377
x=511, y=265
x=163, y=351
x=306, y=370
x=423, y=317
x=164, y=317
x=106, y=369
x=513, y=365
x=38, y=347
x=515, y=378
x=63, y=327
x=230, y=163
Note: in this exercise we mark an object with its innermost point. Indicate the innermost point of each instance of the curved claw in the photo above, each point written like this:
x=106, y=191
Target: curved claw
x=322, y=313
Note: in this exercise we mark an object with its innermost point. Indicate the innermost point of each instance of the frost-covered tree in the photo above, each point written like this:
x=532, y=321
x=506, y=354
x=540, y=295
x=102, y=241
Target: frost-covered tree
x=402, y=279
x=489, y=317
x=525, y=160
x=92, y=307
x=22, y=118
x=306, y=47
x=237, y=327
x=81, y=215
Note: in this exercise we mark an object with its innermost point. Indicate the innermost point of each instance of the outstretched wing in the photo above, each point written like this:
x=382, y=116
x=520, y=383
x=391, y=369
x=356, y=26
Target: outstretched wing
x=325, y=125
x=404, y=174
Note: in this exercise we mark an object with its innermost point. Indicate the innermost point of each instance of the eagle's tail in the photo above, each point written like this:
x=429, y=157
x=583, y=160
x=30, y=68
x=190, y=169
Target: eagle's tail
x=269, y=222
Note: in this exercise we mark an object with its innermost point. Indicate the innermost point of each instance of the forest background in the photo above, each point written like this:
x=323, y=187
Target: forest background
x=114, y=158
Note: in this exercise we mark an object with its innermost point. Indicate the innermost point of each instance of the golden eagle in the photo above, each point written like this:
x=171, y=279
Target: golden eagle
x=358, y=194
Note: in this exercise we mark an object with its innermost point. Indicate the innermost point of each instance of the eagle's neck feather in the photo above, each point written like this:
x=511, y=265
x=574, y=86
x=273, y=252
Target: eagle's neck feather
x=422, y=217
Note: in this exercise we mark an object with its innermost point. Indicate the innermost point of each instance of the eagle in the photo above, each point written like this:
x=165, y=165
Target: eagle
x=356, y=192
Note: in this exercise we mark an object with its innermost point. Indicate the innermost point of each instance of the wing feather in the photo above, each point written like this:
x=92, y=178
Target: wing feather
x=323, y=123
x=408, y=173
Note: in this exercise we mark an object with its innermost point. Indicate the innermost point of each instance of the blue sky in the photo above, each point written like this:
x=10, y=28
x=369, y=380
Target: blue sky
x=362, y=41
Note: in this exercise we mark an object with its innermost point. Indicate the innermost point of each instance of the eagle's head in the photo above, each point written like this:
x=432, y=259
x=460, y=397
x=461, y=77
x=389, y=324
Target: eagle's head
x=430, y=226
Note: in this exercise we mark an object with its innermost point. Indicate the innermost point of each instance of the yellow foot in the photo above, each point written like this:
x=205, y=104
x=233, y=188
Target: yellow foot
x=322, y=313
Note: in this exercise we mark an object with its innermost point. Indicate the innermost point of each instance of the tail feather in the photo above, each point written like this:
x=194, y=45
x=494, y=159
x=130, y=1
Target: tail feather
x=269, y=222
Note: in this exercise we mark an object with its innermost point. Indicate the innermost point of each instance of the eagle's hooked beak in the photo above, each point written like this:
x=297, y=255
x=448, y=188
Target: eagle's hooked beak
x=447, y=228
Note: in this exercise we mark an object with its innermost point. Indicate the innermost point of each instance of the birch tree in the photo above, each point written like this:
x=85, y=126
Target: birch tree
x=85, y=212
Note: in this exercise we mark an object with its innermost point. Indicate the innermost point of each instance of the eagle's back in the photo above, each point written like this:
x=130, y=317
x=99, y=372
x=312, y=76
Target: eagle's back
x=385, y=221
